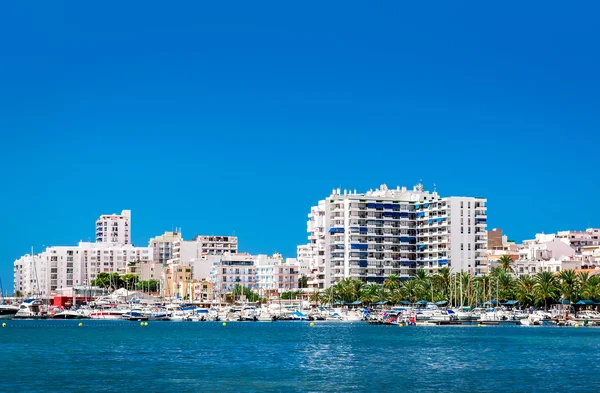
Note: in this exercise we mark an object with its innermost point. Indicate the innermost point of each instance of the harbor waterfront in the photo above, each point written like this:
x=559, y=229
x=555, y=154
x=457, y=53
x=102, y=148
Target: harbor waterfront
x=50, y=355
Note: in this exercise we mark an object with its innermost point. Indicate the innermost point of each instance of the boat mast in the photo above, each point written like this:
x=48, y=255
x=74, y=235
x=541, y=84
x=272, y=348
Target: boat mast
x=461, y=289
x=37, y=283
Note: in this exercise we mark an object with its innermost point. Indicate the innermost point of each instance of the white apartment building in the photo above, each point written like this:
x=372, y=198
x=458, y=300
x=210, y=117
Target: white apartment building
x=452, y=232
x=162, y=246
x=232, y=270
x=185, y=251
x=385, y=231
x=68, y=266
x=217, y=245
x=267, y=275
x=113, y=228
x=580, y=239
x=275, y=276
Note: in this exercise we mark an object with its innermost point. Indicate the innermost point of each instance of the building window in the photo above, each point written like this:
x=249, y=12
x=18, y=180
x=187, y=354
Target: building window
x=462, y=246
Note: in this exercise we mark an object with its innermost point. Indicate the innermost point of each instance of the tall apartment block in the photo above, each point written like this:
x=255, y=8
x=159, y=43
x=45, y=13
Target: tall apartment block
x=162, y=246
x=380, y=232
x=113, y=228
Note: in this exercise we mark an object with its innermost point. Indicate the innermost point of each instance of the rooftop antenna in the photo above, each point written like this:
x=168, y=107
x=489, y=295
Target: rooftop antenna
x=434, y=187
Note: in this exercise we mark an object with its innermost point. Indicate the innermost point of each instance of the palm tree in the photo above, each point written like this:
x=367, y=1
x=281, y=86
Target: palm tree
x=568, y=284
x=591, y=290
x=442, y=281
x=505, y=262
x=316, y=297
x=368, y=293
x=505, y=286
x=391, y=282
x=546, y=287
x=526, y=290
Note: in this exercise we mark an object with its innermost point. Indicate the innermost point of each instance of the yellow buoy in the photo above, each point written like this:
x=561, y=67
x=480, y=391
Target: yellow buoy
x=401, y=325
x=576, y=325
x=478, y=325
x=224, y=324
x=141, y=323
x=3, y=324
x=80, y=324
x=312, y=324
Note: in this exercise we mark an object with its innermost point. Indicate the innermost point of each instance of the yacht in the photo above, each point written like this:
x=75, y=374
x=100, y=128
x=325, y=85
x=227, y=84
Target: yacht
x=108, y=313
x=134, y=316
x=8, y=310
x=31, y=308
x=70, y=314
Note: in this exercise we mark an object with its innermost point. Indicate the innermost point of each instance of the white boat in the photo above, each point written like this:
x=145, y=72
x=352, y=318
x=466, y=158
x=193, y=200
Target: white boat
x=31, y=308
x=70, y=314
x=443, y=315
x=8, y=310
x=108, y=314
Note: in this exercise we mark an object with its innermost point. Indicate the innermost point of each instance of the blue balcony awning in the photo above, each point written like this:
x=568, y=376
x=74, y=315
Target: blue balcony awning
x=359, y=246
x=417, y=206
x=426, y=205
x=439, y=220
x=443, y=261
x=430, y=221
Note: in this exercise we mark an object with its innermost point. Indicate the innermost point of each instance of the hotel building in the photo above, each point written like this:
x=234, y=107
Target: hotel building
x=184, y=251
x=114, y=228
x=68, y=266
x=162, y=246
x=385, y=231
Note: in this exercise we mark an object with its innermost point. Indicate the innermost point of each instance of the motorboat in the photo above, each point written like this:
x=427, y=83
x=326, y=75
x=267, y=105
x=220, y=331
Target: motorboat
x=8, y=311
x=31, y=308
x=443, y=315
x=134, y=316
x=70, y=314
x=107, y=314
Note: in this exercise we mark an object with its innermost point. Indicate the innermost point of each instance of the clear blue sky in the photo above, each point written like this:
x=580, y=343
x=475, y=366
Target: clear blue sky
x=237, y=117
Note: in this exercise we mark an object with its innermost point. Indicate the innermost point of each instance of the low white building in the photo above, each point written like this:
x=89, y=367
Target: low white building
x=68, y=266
x=203, y=247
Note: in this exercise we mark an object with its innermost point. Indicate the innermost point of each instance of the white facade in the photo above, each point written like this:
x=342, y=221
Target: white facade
x=113, y=228
x=26, y=278
x=372, y=235
x=163, y=246
x=264, y=274
x=67, y=266
x=217, y=245
x=184, y=251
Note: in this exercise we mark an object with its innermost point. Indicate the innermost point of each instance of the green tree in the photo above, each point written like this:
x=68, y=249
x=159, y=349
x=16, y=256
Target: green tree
x=303, y=282
x=368, y=294
x=525, y=290
x=147, y=286
x=290, y=295
x=391, y=282
x=129, y=280
x=506, y=262
x=239, y=290
x=569, y=285
x=546, y=288
x=591, y=289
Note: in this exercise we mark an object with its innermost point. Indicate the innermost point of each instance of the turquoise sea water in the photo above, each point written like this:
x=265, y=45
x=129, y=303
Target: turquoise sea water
x=40, y=356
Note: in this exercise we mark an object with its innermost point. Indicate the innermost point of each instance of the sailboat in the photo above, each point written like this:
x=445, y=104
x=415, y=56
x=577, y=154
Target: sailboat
x=6, y=310
x=32, y=308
